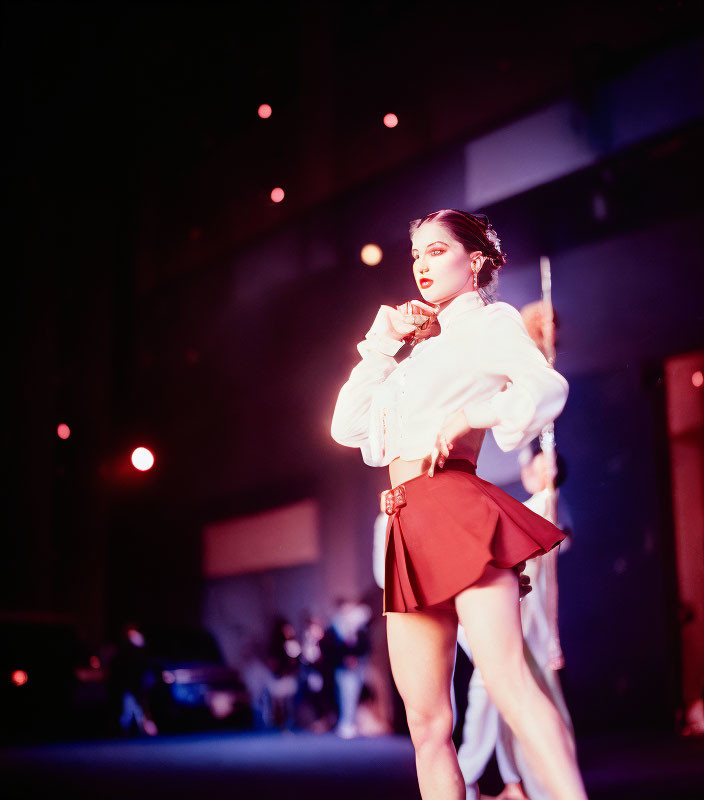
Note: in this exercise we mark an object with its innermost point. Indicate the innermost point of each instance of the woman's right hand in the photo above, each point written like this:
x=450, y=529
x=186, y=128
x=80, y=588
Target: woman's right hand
x=411, y=319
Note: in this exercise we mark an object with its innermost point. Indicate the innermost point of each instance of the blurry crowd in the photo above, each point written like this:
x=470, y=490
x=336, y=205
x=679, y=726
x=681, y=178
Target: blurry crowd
x=324, y=675
x=321, y=677
x=318, y=678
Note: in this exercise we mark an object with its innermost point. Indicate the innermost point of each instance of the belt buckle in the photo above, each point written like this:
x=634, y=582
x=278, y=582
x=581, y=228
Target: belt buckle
x=394, y=499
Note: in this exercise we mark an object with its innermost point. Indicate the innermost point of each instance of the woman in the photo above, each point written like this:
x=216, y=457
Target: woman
x=453, y=540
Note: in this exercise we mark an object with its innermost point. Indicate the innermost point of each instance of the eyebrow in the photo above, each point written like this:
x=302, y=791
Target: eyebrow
x=431, y=244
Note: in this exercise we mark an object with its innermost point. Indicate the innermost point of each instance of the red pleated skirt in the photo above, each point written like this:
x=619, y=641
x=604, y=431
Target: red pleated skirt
x=451, y=527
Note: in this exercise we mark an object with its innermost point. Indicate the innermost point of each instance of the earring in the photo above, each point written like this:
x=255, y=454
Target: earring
x=475, y=280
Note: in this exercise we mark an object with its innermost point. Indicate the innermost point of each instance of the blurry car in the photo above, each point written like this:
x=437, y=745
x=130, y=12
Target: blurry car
x=194, y=688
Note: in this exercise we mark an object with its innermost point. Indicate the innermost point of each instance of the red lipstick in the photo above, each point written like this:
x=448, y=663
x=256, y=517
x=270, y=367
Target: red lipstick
x=425, y=282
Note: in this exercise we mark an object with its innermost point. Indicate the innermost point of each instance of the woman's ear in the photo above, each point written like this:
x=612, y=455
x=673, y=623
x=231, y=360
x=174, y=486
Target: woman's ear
x=477, y=260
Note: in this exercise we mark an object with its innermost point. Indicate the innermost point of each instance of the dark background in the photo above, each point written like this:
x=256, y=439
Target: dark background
x=157, y=296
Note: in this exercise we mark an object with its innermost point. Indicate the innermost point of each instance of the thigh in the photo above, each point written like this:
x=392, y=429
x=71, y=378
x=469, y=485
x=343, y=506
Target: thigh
x=489, y=612
x=422, y=647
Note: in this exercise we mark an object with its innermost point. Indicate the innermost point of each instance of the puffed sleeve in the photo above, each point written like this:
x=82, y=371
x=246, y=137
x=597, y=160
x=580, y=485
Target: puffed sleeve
x=534, y=394
x=350, y=420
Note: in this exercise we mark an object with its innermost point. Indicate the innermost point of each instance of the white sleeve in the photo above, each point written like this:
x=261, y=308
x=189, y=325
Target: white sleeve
x=350, y=420
x=535, y=393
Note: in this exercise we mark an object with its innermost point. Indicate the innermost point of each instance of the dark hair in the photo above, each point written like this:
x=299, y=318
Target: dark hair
x=474, y=232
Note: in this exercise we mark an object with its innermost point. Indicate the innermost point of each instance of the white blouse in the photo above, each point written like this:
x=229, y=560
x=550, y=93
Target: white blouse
x=483, y=358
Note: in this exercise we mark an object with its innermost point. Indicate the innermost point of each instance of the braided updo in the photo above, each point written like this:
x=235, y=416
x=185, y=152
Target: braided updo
x=474, y=232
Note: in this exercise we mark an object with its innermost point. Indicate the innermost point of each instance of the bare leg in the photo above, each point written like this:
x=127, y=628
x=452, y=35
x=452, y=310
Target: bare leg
x=489, y=613
x=422, y=649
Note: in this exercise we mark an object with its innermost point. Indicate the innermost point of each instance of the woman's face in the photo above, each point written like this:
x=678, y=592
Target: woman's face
x=534, y=475
x=441, y=265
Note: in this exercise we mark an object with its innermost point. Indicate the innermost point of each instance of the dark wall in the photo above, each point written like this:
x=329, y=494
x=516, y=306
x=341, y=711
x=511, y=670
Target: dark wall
x=617, y=607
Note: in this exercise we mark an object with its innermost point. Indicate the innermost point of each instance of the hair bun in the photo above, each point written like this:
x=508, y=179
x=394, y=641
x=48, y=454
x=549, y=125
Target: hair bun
x=499, y=260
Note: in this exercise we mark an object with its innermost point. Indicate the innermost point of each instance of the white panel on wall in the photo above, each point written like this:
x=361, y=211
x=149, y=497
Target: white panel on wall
x=537, y=149
x=645, y=102
x=283, y=537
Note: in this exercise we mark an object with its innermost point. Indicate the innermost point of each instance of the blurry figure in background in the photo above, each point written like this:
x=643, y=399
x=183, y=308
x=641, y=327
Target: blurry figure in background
x=315, y=700
x=372, y=719
x=131, y=679
x=542, y=324
x=346, y=648
x=379, y=547
x=282, y=660
x=534, y=318
x=257, y=678
x=484, y=728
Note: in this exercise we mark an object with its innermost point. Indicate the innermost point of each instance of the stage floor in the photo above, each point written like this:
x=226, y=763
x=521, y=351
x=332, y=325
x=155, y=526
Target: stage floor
x=264, y=766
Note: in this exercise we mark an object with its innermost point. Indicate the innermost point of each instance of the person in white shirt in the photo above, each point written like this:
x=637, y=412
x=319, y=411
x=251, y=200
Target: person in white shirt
x=484, y=730
x=454, y=540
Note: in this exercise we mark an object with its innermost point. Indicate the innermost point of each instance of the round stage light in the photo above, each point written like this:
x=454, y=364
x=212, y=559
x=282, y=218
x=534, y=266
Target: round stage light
x=697, y=378
x=264, y=111
x=142, y=459
x=277, y=194
x=371, y=254
x=390, y=120
x=19, y=677
x=63, y=431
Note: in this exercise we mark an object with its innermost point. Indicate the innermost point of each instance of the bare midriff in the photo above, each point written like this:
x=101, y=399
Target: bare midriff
x=400, y=470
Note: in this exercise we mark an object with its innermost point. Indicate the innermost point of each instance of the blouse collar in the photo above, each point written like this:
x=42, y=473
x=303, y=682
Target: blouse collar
x=459, y=305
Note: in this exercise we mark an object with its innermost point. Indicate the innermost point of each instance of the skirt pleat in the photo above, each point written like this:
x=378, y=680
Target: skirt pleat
x=452, y=526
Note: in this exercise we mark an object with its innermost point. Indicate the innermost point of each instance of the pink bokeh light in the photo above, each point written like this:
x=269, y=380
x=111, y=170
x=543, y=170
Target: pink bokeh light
x=371, y=254
x=19, y=677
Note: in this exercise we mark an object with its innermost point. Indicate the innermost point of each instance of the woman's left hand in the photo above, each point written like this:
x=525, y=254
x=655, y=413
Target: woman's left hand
x=455, y=425
x=440, y=452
